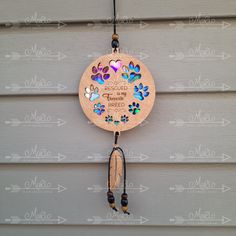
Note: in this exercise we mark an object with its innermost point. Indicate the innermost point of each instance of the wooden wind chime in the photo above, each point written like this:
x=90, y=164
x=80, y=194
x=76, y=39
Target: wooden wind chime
x=117, y=93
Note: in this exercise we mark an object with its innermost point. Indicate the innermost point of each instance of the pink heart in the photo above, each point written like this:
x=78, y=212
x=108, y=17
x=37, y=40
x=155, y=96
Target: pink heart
x=115, y=65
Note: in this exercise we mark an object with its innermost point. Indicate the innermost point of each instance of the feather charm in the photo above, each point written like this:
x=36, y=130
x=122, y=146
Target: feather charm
x=116, y=168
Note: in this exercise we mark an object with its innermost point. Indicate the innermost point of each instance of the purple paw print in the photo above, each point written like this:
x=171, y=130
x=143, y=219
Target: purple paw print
x=100, y=73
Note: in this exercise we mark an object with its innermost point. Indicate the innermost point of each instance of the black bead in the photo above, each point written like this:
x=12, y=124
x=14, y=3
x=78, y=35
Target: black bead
x=111, y=199
x=115, y=43
x=124, y=202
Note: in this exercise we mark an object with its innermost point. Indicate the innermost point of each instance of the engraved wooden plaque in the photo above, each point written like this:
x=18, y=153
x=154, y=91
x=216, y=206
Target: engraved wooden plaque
x=117, y=92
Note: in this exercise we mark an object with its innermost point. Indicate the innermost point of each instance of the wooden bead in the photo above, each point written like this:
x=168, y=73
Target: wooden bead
x=115, y=36
x=112, y=205
x=124, y=208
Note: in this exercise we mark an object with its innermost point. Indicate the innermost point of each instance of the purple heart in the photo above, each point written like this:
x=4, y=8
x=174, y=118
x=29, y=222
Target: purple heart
x=115, y=65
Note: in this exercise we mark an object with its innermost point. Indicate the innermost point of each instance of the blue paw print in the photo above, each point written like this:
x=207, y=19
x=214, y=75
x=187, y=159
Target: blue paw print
x=99, y=108
x=109, y=119
x=134, y=108
x=124, y=118
x=131, y=73
x=140, y=91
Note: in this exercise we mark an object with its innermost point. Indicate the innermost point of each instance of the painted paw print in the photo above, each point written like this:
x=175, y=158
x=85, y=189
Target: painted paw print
x=124, y=119
x=134, y=108
x=100, y=74
x=99, y=108
x=131, y=73
x=91, y=93
x=140, y=92
x=116, y=122
x=109, y=119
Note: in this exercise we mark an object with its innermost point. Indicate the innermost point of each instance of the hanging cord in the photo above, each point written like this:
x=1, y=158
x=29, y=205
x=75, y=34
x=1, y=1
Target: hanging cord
x=124, y=195
x=115, y=36
x=114, y=16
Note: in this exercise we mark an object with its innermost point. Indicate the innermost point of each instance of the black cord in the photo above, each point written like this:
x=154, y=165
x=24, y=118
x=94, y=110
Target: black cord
x=114, y=16
x=115, y=36
x=124, y=166
x=116, y=137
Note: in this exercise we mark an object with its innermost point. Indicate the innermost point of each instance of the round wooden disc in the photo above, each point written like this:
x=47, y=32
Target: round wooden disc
x=117, y=92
